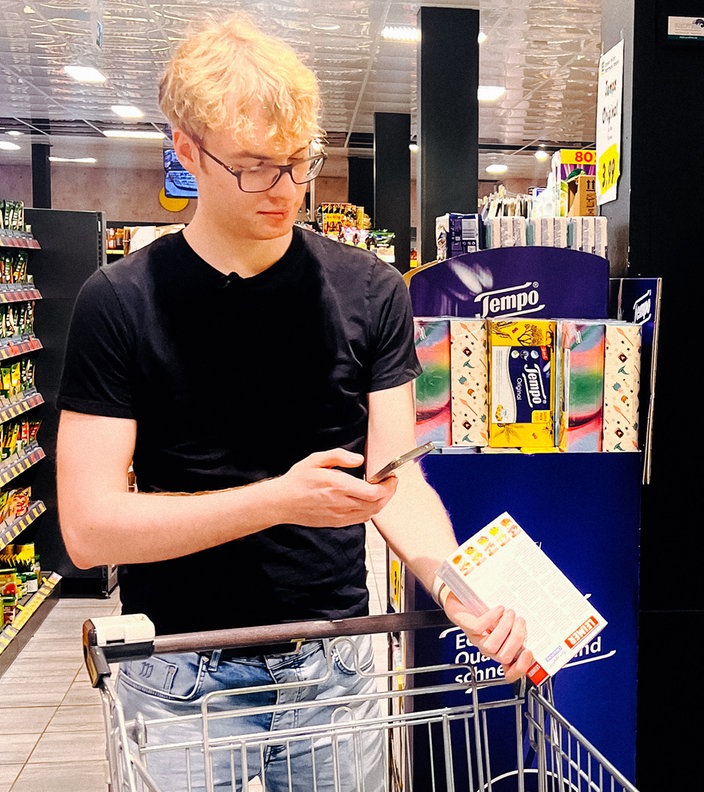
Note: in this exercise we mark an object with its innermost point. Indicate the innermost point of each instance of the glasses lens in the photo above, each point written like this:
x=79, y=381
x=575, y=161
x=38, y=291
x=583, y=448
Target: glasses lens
x=262, y=177
x=307, y=170
x=258, y=179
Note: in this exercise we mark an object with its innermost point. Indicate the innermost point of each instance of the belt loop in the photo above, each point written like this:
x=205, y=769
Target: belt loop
x=214, y=660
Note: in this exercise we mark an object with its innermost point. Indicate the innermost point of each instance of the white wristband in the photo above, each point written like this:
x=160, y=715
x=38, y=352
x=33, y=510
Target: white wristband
x=439, y=591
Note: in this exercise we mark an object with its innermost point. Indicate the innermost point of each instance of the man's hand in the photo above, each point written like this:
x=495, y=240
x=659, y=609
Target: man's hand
x=316, y=493
x=498, y=634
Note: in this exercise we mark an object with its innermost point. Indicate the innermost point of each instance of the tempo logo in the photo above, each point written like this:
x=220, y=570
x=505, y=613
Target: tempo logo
x=643, y=308
x=511, y=301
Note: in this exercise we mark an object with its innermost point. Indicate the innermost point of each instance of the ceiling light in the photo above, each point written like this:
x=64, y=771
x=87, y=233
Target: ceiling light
x=400, y=33
x=81, y=160
x=325, y=23
x=134, y=134
x=490, y=93
x=482, y=37
x=85, y=74
x=541, y=155
x=497, y=168
x=127, y=111
x=15, y=132
x=6, y=145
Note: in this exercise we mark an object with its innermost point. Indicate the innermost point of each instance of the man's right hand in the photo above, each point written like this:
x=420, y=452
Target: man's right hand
x=316, y=493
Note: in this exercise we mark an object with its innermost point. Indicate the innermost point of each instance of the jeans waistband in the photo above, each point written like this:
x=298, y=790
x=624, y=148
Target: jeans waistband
x=256, y=651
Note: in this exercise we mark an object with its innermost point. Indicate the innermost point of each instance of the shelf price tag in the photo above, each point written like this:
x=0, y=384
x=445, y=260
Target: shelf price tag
x=608, y=168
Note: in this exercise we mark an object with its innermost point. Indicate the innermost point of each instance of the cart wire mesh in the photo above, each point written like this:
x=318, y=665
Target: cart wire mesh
x=441, y=730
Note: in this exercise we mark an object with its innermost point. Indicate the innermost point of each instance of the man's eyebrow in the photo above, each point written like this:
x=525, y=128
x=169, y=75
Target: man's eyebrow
x=299, y=154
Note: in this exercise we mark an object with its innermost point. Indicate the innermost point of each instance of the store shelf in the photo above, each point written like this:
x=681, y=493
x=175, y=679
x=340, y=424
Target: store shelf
x=18, y=292
x=10, y=531
x=17, y=239
x=11, y=409
x=11, y=347
x=21, y=621
x=17, y=463
x=31, y=613
x=72, y=249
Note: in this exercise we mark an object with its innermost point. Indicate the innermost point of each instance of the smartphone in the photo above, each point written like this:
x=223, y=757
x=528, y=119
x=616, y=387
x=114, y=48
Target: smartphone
x=410, y=456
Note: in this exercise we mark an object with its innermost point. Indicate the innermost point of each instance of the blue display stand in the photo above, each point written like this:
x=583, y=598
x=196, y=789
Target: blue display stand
x=515, y=281
x=584, y=509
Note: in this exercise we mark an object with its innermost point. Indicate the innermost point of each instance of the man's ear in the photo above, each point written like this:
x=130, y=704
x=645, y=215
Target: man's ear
x=186, y=151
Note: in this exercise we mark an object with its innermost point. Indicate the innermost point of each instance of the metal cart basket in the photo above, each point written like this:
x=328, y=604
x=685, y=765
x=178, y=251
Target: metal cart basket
x=438, y=726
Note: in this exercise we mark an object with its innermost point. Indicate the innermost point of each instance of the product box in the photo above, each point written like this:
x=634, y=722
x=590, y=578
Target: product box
x=561, y=231
x=621, y=386
x=432, y=387
x=581, y=196
x=638, y=300
x=594, y=235
x=469, y=382
x=544, y=231
x=580, y=385
x=574, y=233
x=457, y=233
x=521, y=383
x=502, y=565
x=501, y=232
x=568, y=163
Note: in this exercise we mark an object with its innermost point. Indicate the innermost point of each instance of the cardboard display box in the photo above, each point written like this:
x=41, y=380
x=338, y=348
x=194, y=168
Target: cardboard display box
x=581, y=196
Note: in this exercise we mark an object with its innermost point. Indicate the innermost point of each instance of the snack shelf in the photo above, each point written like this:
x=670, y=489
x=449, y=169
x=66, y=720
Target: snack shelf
x=9, y=531
x=31, y=612
x=18, y=407
x=11, y=347
x=17, y=463
x=17, y=239
x=15, y=632
x=18, y=292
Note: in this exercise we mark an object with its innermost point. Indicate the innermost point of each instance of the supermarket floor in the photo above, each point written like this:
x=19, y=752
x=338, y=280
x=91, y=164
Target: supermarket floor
x=52, y=736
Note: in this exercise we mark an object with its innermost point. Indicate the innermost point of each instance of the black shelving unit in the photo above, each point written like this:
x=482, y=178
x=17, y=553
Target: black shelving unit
x=18, y=467
x=72, y=247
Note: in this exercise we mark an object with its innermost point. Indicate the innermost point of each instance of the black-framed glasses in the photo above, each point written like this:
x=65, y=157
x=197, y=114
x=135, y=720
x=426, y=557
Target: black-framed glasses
x=261, y=178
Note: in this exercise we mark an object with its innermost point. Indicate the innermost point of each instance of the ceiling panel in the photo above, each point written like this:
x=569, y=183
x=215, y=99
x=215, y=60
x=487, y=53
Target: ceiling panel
x=544, y=52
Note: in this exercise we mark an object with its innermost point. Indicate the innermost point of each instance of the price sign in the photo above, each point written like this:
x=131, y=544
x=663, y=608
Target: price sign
x=608, y=168
x=608, y=124
x=578, y=157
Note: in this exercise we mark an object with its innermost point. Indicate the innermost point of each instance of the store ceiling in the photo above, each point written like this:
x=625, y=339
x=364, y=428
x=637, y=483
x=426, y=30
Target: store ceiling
x=544, y=52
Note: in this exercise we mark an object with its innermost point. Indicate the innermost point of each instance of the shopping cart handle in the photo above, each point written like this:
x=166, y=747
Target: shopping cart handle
x=111, y=639
x=293, y=632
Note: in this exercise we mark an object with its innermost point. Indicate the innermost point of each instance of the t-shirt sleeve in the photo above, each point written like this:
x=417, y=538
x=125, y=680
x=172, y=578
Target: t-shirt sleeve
x=394, y=359
x=95, y=377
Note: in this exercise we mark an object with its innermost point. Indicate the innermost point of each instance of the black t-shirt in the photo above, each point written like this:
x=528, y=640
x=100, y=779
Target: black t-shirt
x=230, y=381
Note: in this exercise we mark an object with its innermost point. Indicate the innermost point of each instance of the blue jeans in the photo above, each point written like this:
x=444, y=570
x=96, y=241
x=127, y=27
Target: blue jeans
x=267, y=717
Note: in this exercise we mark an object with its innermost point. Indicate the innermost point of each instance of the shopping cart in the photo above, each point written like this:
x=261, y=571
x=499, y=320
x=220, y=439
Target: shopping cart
x=440, y=729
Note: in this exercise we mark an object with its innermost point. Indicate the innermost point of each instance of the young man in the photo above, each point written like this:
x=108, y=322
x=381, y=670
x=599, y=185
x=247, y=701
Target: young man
x=251, y=371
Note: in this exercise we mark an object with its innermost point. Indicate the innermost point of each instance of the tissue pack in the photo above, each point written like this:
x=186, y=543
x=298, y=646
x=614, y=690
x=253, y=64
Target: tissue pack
x=521, y=393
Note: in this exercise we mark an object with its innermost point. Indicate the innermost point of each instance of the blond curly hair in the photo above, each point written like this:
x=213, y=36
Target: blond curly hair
x=230, y=76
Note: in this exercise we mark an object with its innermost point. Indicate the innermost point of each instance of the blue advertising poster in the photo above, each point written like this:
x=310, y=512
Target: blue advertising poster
x=584, y=510
x=522, y=281
x=178, y=182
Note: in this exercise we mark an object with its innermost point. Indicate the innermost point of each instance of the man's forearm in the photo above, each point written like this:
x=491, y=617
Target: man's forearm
x=416, y=526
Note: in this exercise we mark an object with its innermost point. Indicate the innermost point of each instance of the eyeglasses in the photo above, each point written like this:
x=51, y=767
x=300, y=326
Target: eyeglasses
x=261, y=178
